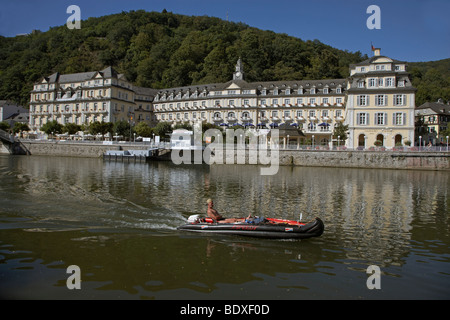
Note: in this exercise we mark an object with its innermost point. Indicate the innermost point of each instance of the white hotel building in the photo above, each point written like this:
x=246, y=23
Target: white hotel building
x=376, y=101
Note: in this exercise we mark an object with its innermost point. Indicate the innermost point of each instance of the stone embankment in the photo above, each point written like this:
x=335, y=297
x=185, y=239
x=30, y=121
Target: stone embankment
x=307, y=158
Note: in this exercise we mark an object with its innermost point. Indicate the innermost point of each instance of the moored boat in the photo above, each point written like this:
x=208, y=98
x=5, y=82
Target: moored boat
x=262, y=228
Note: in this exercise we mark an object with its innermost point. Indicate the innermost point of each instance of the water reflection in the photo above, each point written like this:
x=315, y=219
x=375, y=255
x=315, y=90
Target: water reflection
x=118, y=221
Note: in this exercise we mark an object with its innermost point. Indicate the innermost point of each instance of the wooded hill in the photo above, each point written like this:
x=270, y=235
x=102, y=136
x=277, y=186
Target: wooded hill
x=161, y=50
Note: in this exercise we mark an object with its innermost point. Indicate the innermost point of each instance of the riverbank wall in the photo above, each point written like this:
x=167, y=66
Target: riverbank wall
x=306, y=158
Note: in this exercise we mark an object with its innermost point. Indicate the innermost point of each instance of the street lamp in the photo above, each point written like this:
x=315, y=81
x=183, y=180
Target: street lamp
x=447, y=143
x=313, y=141
x=420, y=142
x=339, y=139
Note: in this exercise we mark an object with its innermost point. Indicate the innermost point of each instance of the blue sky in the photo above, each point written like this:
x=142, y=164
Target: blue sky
x=411, y=30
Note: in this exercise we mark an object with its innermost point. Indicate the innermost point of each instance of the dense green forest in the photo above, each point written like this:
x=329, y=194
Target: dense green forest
x=168, y=50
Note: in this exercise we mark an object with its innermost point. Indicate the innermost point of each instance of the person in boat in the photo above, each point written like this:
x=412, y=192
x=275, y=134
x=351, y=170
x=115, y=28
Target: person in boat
x=213, y=214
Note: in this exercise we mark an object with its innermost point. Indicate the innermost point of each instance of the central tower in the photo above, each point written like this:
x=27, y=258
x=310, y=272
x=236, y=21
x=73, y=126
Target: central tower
x=239, y=72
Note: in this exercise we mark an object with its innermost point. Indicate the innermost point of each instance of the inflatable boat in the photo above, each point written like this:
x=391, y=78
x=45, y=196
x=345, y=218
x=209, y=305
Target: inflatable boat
x=258, y=227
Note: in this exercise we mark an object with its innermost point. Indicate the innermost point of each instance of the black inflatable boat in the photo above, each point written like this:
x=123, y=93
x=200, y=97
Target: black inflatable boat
x=261, y=228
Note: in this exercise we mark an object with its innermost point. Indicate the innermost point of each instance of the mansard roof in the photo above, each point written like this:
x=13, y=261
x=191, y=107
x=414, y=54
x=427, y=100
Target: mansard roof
x=374, y=60
x=108, y=72
x=260, y=85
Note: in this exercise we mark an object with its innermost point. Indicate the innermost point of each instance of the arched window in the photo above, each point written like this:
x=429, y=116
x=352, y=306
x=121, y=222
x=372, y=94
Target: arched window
x=380, y=137
x=398, y=139
x=362, y=140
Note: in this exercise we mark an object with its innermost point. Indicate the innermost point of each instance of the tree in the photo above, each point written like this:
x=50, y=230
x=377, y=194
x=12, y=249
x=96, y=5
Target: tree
x=122, y=128
x=52, y=127
x=71, y=128
x=184, y=125
x=4, y=126
x=163, y=129
x=143, y=129
x=20, y=127
x=340, y=131
x=101, y=128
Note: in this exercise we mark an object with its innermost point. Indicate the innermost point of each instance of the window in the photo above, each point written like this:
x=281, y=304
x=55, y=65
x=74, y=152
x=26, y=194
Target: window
x=274, y=113
x=313, y=91
x=246, y=102
x=362, y=100
x=300, y=101
x=401, y=83
x=380, y=118
x=360, y=84
x=372, y=82
x=300, y=91
x=288, y=91
x=381, y=100
x=362, y=118
x=325, y=90
x=339, y=100
x=287, y=101
x=325, y=100
x=399, y=118
x=312, y=101
x=389, y=82
x=399, y=99
x=312, y=126
x=274, y=101
x=299, y=114
x=312, y=114
x=380, y=82
x=338, y=90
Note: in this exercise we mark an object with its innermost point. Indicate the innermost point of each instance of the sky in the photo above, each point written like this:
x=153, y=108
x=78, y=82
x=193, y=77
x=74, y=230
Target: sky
x=409, y=30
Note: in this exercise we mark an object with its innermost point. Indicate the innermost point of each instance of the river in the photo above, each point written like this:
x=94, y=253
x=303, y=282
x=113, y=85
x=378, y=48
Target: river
x=117, y=222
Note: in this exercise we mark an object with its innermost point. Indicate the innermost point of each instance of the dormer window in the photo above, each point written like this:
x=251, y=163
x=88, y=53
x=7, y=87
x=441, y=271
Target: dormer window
x=313, y=91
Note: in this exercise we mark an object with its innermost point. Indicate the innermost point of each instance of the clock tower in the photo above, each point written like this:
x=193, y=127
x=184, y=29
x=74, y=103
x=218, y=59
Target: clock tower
x=239, y=73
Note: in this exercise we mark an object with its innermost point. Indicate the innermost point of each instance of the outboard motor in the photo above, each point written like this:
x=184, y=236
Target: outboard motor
x=194, y=218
